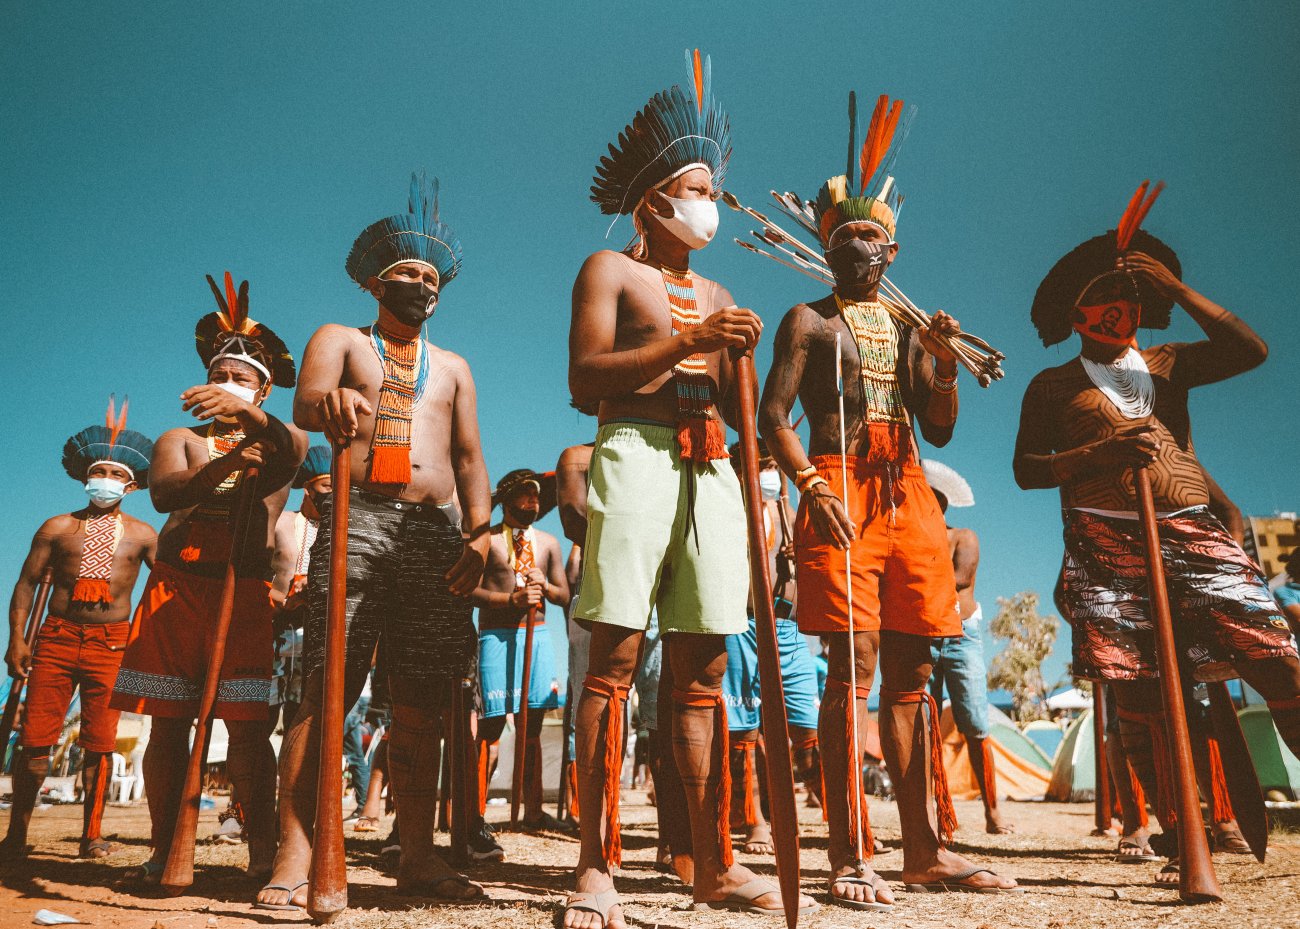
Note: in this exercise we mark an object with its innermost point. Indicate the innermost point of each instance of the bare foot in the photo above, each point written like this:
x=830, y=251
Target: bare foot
x=435, y=878
x=1135, y=847
x=594, y=881
x=714, y=889
x=994, y=824
x=759, y=840
x=948, y=863
x=876, y=891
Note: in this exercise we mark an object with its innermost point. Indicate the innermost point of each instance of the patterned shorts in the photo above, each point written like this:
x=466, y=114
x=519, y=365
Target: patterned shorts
x=1222, y=610
x=399, y=554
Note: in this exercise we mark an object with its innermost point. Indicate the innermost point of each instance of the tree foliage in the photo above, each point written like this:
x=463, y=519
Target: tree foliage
x=1018, y=668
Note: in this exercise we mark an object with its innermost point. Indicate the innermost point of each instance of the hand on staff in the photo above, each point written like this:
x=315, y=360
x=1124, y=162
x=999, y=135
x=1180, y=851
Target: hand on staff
x=1131, y=447
x=1161, y=278
x=18, y=658
x=829, y=519
x=466, y=573
x=730, y=327
x=526, y=597
x=250, y=453
x=941, y=325
x=207, y=401
x=338, y=413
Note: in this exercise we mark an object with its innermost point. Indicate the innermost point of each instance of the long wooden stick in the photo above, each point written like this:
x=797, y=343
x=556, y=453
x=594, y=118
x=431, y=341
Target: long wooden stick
x=35, y=616
x=178, y=873
x=463, y=755
x=1197, y=882
x=327, y=887
x=776, y=734
x=521, y=724
x=1239, y=770
x=1102, y=810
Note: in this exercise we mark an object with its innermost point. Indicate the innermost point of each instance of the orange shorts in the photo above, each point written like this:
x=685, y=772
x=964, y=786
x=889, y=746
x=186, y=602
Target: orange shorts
x=166, y=659
x=902, y=569
x=69, y=656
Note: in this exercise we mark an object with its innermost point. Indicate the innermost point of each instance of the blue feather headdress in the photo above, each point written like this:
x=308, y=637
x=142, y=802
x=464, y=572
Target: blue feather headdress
x=109, y=442
x=313, y=466
x=416, y=235
x=672, y=131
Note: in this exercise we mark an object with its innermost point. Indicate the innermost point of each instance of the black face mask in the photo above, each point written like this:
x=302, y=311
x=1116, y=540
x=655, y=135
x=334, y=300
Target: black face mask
x=412, y=302
x=520, y=517
x=858, y=263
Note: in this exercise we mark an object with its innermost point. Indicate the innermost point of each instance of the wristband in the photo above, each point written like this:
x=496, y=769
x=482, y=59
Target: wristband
x=805, y=479
x=944, y=385
x=818, y=480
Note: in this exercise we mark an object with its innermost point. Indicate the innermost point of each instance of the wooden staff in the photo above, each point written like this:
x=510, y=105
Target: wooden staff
x=327, y=887
x=776, y=734
x=566, y=761
x=444, y=766
x=1196, y=879
x=1239, y=770
x=178, y=873
x=521, y=723
x=35, y=616
x=1101, y=764
x=464, y=769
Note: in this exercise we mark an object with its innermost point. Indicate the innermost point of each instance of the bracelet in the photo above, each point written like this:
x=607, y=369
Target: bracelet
x=817, y=481
x=944, y=385
x=806, y=478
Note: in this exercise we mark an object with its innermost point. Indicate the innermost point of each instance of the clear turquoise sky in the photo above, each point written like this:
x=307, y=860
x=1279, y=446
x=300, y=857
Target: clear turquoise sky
x=148, y=144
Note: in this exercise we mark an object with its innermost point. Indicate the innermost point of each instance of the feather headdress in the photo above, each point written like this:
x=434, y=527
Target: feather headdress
x=111, y=442
x=1091, y=267
x=944, y=480
x=231, y=333
x=416, y=235
x=673, y=131
x=866, y=191
x=313, y=466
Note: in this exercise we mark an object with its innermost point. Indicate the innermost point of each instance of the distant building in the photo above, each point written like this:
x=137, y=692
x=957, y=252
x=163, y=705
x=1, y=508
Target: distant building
x=1271, y=538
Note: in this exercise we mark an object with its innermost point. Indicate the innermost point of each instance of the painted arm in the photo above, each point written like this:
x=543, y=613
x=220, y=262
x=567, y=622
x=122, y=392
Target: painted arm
x=471, y=485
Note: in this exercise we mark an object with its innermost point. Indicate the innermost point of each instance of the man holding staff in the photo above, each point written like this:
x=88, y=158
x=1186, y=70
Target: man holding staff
x=196, y=477
x=95, y=555
x=665, y=517
x=1085, y=427
x=525, y=570
x=408, y=410
x=901, y=594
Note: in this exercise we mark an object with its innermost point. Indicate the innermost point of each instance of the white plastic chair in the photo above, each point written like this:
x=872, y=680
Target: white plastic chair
x=121, y=786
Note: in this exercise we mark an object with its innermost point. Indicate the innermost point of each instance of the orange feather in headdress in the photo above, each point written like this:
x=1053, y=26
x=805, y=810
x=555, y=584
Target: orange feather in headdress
x=115, y=424
x=884, y=119
x=1138, y=206
x=699, y=83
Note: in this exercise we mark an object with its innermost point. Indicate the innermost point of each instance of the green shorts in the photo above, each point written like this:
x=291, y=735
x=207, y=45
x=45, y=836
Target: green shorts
x=641, y=550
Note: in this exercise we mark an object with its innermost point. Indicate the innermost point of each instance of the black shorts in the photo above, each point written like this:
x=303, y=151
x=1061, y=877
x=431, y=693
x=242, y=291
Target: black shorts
x=399, y=554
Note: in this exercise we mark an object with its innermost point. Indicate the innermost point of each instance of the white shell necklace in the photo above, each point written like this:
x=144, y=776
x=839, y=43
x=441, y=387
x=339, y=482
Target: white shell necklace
x=1126, y=382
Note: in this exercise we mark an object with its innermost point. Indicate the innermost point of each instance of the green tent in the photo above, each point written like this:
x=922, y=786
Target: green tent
x=1073, y=771
x=1278, y=769
x=1013, y=740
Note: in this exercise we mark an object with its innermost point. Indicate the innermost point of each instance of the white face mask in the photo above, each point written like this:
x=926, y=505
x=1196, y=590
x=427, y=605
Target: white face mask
x=769, y=484
x=104, y=491
x=693, y=221
x=247, y=394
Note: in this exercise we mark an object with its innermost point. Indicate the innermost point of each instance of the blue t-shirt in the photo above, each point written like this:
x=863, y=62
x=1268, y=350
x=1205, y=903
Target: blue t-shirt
x=1288, y=594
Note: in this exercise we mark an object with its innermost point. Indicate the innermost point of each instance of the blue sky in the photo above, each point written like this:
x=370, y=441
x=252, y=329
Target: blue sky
x=149, y=144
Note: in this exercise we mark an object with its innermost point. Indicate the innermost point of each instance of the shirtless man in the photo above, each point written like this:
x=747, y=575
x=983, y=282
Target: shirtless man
x=903, y=594
x=959, y=661
x=525, y=570
x=408, y=410
x=95, y=554
x=1084, y=427
x=666, y=523
x=197, y=477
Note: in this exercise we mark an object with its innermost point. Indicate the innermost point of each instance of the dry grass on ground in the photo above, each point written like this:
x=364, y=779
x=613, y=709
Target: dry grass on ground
x=1070, y=877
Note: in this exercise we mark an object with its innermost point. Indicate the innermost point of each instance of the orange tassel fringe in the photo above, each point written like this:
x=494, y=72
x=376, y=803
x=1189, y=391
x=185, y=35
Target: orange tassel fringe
x=990, y=785
x=701, y=699
x=391, y=464
x=863, y=828
x=616, y=694
x=1220, y=802
x=482, y=778
x=749, y=811
x=701, y=439
x=91, y=590
x=574, y=810
x=947, y=814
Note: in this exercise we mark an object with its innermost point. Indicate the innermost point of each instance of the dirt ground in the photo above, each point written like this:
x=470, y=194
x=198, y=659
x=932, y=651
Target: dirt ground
x=1070, y=878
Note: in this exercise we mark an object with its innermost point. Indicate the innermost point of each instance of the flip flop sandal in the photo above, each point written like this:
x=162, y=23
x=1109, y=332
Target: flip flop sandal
x=366, y=824
x=742, y=900
x=98, y=848
x=1171, y=868
x=599, y=903
x=874, y=905
x=956, y=884
x=1145, y=854
x=283, y=907
x=148, y=874
x=430, y=887
x=1232, y=843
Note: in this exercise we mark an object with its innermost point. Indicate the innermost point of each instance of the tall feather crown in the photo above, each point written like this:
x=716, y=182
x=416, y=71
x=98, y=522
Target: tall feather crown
x=231, y=333
x=109, y=442
x=1090, y=268
x=416, y=235
x=867, y=191
x=673, y=130
x=313, y=466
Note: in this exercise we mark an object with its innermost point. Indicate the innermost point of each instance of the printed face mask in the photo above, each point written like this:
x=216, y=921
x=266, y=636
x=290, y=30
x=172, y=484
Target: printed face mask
x=412, y=302
x=694, y=222
x=769, y=484
x=1109, y=310
x=858, y=263
x=104, y=491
